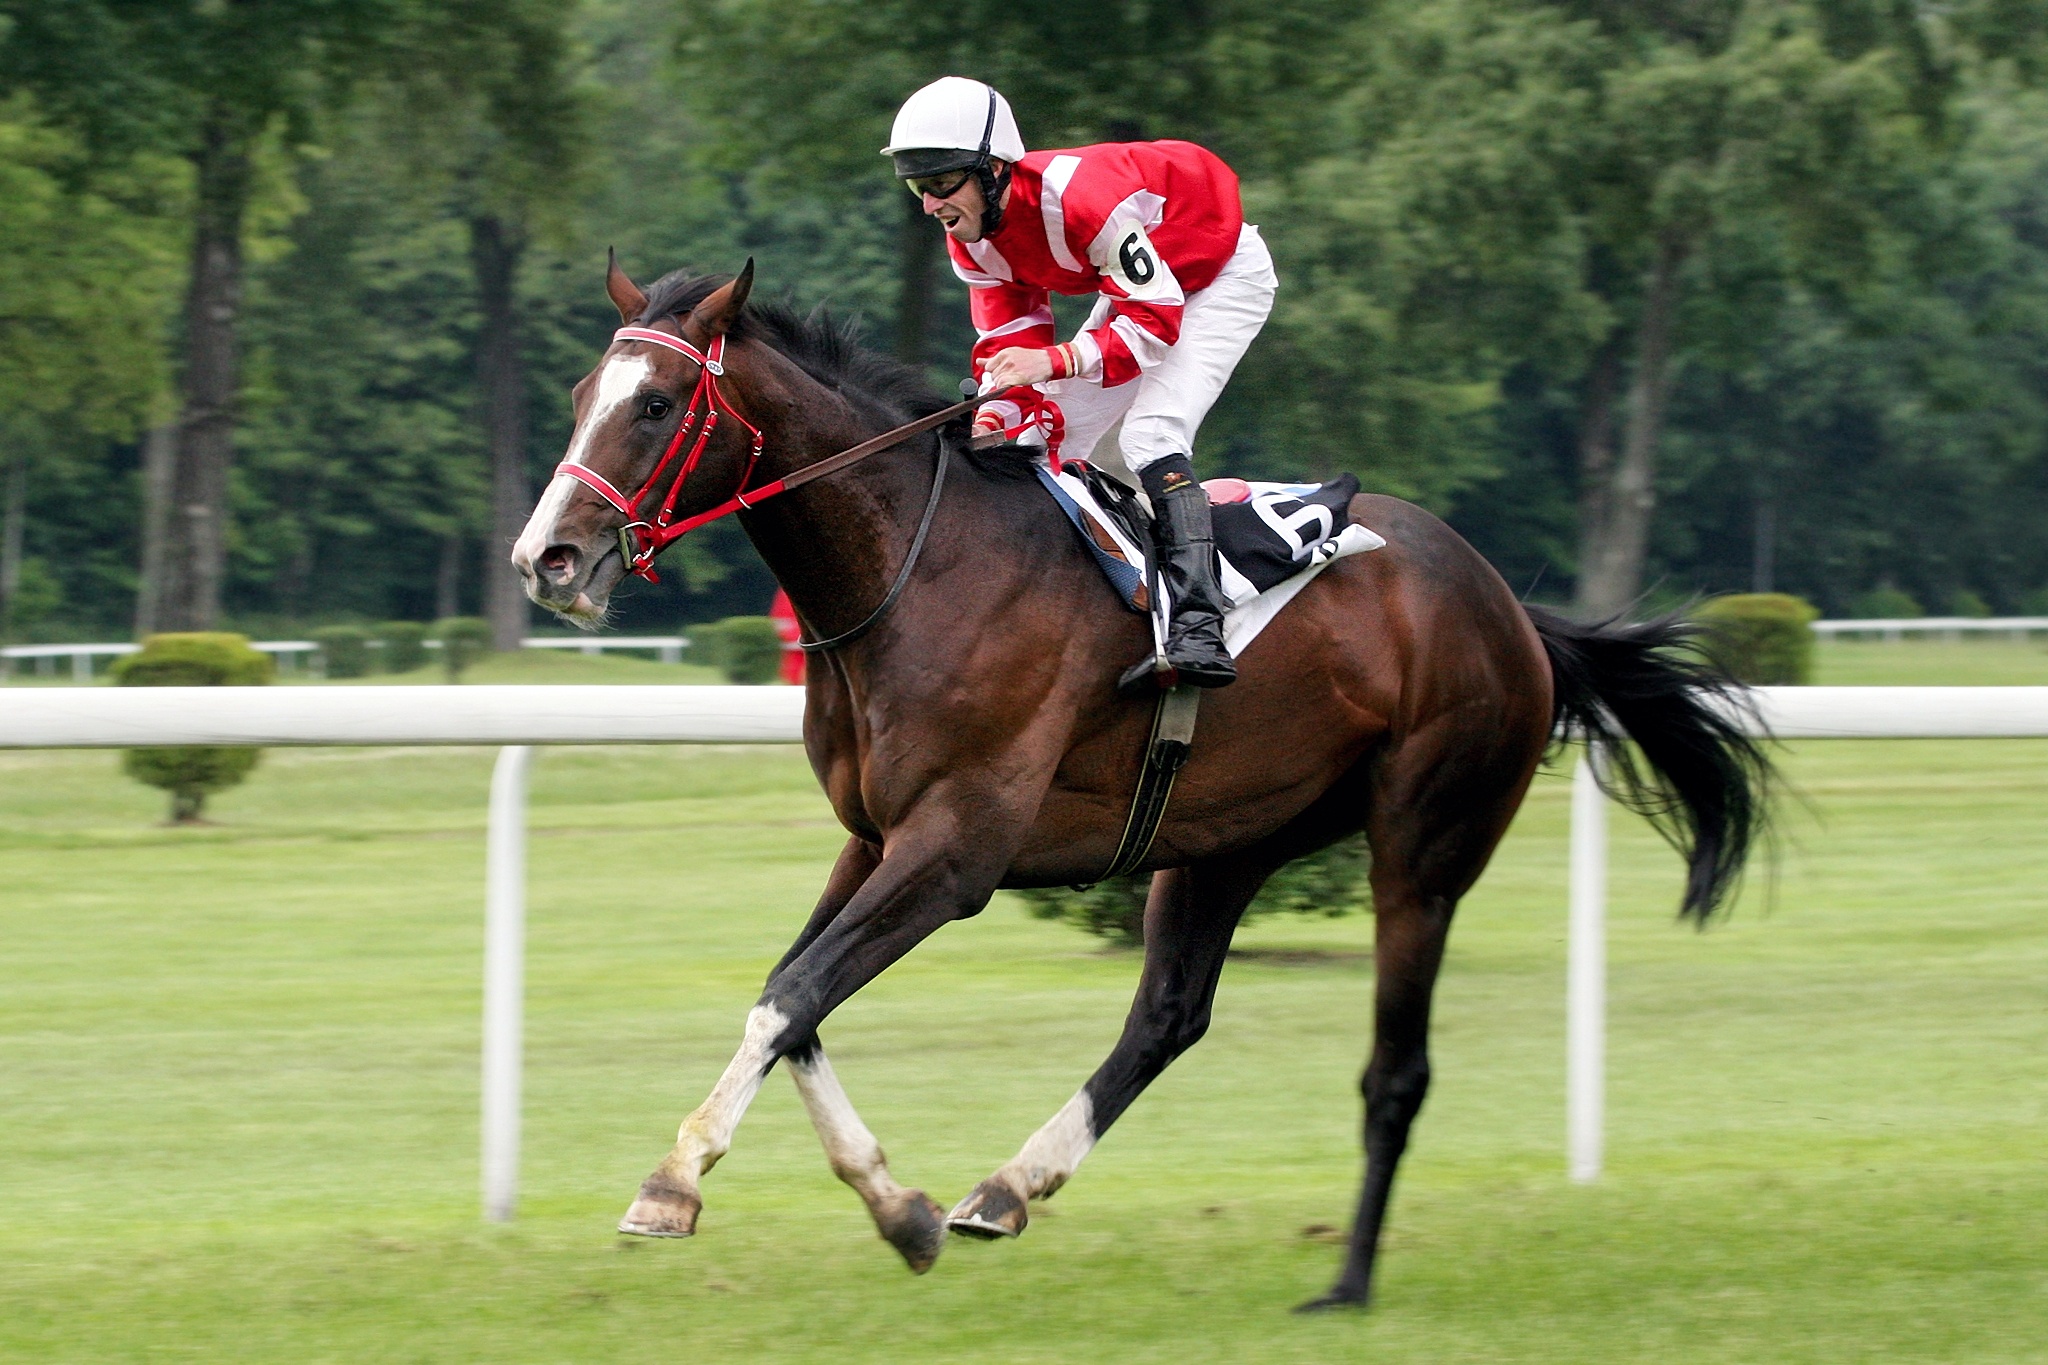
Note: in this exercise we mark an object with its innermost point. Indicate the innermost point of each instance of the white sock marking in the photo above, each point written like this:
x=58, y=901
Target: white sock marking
x=1054, y=1152
x=855, y=1155
x=707, y=1134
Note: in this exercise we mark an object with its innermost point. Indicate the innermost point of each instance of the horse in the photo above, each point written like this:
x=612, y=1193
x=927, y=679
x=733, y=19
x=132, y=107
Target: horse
x=962, y=716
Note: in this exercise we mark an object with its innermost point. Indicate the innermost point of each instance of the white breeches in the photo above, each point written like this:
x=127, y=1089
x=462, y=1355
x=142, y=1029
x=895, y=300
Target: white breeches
x=1163, y=408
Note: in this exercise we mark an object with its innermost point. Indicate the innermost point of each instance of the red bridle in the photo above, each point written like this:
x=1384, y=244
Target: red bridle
x=640, y=540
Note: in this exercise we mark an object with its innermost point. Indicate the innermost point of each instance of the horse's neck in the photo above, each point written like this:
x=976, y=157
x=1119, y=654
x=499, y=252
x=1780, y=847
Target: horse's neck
x=835, y=545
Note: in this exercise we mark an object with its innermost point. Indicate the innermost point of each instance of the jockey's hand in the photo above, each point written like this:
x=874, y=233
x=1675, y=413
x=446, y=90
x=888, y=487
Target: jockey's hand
x=1015, y=367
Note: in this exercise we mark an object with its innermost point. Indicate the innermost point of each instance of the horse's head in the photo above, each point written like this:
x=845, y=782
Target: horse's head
x=651, y=412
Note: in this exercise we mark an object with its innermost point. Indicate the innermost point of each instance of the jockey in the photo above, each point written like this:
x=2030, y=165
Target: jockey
x=1155, y=230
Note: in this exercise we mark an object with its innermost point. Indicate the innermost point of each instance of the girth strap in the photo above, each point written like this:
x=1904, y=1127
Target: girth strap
x=1173, y=736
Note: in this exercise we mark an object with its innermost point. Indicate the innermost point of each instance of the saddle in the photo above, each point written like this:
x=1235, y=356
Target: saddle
x=1271, y=540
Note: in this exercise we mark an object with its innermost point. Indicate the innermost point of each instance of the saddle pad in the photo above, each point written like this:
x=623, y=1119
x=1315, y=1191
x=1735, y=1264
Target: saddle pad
x=1272, y=539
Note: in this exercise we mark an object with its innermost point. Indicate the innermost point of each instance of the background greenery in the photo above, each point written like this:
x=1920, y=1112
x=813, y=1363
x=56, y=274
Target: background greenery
x=1791, y=253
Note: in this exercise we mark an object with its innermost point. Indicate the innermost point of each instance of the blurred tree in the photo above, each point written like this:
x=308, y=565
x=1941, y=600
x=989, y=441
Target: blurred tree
x=91, y=268
x=487, y=108
x=1561, y=185
x=216, y=82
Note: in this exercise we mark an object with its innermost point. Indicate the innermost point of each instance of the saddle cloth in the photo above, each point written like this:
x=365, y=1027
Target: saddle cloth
x=1272, y=538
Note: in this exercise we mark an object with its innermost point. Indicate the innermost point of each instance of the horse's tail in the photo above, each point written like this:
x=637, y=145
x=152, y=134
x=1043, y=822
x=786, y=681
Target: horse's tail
x=1707, y=782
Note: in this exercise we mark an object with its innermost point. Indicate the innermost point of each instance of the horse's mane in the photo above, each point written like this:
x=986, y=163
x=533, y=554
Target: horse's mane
x=830, y=350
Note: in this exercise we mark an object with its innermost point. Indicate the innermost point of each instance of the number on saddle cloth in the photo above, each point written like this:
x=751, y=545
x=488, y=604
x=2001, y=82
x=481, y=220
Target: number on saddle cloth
x=1269, y=532
x=1266, y=533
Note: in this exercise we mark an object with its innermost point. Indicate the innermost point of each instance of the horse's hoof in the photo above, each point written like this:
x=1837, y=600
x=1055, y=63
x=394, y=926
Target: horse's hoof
x=916, y=1227
x=662, y=1210
x=1334, y=1300
x=992, y=1210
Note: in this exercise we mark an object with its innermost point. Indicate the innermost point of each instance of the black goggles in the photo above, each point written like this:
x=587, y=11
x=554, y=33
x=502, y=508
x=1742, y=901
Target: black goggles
x=944, y=185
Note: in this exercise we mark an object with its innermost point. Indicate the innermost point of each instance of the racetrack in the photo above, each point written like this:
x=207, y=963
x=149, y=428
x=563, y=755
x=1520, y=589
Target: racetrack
x=238, y=1068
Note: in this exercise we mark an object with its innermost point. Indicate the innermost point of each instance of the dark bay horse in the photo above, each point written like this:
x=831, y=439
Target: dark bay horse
x=973, y=738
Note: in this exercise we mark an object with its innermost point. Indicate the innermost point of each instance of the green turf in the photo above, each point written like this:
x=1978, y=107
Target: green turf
x=1993, y=662
x=238, y=1074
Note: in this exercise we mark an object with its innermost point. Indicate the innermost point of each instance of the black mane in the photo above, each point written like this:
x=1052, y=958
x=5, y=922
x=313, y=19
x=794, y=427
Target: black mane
x=830, y=351
x=826, y=348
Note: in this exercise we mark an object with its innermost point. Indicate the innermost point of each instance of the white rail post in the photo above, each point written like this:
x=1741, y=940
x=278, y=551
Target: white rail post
x=1586, y=974
x=504, y=980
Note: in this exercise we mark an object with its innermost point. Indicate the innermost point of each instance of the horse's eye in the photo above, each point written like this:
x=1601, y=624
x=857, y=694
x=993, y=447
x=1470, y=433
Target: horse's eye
x=656, y=408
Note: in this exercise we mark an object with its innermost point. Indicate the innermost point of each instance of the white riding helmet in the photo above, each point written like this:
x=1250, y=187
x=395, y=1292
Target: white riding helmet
x=950, y=125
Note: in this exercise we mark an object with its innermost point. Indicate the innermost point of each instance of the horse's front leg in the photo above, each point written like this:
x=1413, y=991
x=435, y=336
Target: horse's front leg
x=932, y=872
x=906, y=1218
x=669, y=1202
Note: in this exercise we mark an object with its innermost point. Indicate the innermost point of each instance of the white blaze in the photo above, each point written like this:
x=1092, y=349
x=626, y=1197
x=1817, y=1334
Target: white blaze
x=620, y=379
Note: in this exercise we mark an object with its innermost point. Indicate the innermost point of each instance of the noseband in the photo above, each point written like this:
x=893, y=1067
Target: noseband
x=640, y=540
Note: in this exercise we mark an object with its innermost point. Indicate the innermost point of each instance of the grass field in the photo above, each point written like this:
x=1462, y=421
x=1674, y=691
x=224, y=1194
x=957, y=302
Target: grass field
x=238, y=1073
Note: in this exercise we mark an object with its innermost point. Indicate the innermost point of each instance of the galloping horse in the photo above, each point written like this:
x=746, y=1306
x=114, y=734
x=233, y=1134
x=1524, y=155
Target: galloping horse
x=969, y=735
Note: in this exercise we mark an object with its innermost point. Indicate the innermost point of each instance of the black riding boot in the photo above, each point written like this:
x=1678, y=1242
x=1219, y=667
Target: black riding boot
x=1186, y=546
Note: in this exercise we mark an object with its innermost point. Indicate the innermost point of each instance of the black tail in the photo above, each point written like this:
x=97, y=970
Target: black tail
x=1707, y=781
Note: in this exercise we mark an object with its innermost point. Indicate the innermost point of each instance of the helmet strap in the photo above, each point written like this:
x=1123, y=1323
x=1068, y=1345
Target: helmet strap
x=993, y=186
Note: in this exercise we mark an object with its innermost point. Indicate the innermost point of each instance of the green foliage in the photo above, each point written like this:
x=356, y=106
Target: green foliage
x=195, y=659
x=1465, y=198
x=464, y=640
x=1763, y=638
x=744, y=648
x=1886, y=603
x=344, y=651
x=1964, y=602
x=1331, y=882
x=404, y=646
x=193, y=773
x=2034, y=603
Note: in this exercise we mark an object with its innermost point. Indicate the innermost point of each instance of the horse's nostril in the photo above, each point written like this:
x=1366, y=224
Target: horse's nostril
x=558, y=559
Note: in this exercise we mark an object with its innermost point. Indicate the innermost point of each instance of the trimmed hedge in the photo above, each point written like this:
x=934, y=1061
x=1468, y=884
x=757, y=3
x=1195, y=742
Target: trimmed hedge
x=1886, y=603
x=404, y=646
x=745, y=648
x=1331, y=882
x=344, y=651
x=464, y=640
x=198, y=659
x=1763, y=638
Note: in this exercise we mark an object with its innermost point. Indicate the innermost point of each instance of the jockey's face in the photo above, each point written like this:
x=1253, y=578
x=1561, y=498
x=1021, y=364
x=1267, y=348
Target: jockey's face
x=961, y=212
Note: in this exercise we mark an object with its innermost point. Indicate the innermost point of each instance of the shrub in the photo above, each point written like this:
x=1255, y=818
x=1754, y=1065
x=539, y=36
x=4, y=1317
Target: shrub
x=745, y=648
x=1331, y=882
x=1885, y=603
x=1964, y=602
x=464, y=640
x=344, y=651
x=2034, y=603
x=405, y=646
x=1763, y=638
x=192, y=774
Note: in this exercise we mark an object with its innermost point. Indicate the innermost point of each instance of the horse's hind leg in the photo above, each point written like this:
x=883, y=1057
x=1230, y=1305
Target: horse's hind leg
x=1436, y=817
x=1189, y=919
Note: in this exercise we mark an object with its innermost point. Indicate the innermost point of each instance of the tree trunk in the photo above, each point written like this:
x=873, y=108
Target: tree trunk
x=494, y=251
x=1763, y=547
x=448, y=579
x=917, y=250
x=1618, y=494
x=195, y=533
x=159, y=466
x=13, y=528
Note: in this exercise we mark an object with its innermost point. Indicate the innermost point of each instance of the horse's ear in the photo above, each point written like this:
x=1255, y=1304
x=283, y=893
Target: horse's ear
x=626, y=295
x=717, y=314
